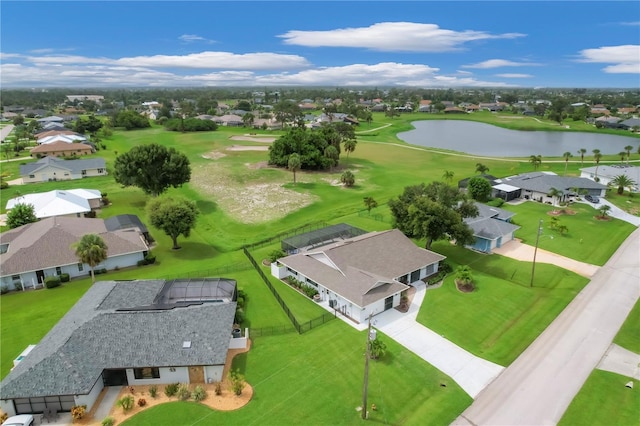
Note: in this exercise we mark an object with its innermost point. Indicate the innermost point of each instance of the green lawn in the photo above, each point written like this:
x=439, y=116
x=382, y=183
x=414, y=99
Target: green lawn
x=627, y=337
x=604, y=401
x=585, y=239
x=503, y=315
x=316, y=378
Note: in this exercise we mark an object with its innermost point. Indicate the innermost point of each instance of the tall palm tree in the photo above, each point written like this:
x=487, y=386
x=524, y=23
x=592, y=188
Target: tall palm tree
x=294, y=164
x=597, y=156
x=566, y=156
x=582, y=152
x=447, y=176
x=622, y=182
x=628, y=149
x=370, y=203
x=622, y=154
x=350, y=146
x=91, y=249
x=535, y=160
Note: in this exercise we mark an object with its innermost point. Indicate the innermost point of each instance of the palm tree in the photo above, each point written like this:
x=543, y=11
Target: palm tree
x=464, y=277
x=91, y=249
x=597, y=156
x=622, y=182
x=447, y=176
x=582, y=152
x=370, y=203
x=350, y=146
x=294, y=164
x=622, y=154
x=555, y=194
x=566, y=156
x=628, y=149
x=604, y=211
x=481, y=168
x=535, y=160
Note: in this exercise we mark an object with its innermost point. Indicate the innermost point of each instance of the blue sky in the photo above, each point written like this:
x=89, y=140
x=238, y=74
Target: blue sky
x=329, y=43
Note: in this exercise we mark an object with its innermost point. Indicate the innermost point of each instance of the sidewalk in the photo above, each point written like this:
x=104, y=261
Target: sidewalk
x=515, y=249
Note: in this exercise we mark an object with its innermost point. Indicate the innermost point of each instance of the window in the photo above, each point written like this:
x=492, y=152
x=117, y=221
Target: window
x=58, y=270
x=80, y=267
x=15, y=277
x=32, y=176
x=100, y=170
x=84, y=172
x=146, y=373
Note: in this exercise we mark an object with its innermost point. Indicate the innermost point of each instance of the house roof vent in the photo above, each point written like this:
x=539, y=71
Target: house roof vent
x=186, y=344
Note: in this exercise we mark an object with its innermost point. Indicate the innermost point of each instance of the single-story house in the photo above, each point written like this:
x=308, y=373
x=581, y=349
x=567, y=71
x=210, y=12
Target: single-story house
x=492, y=227
x=34, y=251
x=52, y=168
x=454, y=110
x=362, y=275
x=70, y=202
x=123, y=333
x=608, y=173
x=537, y=185
x=128, y=221
x=54, y=132
x=630, y=124
x=464, y=183
x=50, y=119
x=230, y=120
x=61, y=149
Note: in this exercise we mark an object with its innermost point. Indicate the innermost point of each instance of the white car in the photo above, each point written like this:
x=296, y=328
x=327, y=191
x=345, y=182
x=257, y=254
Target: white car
x=21, y=420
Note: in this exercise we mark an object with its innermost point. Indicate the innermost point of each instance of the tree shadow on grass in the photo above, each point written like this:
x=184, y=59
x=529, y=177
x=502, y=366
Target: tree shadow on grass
x=206, y=207
x=193, y=251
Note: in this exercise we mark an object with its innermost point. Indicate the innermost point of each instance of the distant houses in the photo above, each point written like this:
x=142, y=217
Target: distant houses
x=51, y=168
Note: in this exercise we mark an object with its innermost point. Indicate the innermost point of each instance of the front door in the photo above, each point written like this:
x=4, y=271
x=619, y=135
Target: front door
x=115, y=378
x=40, y=276
x=196, y=374
x=388, y=303
x=415, y=276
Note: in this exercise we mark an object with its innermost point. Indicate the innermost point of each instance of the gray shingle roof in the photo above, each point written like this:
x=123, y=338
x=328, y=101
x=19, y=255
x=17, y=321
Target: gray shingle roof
x=353, y=267
x=543, y=182
x=490, y=228
x=89, y=338
x=74, y=166
x=48, y=243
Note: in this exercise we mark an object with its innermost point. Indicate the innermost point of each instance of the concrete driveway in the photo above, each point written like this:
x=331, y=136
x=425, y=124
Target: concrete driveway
x=539, y=385
x=615, y=211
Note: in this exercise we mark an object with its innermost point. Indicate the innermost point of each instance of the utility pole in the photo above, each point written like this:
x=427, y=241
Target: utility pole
x=535, y=251
x=366, y=371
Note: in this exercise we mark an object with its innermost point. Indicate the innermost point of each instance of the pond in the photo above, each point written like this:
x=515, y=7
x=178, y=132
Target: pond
x=492, y=141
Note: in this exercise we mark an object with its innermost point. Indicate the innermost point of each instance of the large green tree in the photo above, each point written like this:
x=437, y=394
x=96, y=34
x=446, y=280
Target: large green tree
x=21, y=214
x=152, y=168
x=434, y=212
x=130, y=120
x=91, y=249
x=174, y=216
x=479, y=188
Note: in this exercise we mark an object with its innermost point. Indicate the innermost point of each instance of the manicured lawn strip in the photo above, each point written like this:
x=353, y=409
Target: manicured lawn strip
x=627, y=336
x=604, y=400
x=503, y=315
x=585, y=240
x=173, y=413
x=316, y=378
x=28, y=316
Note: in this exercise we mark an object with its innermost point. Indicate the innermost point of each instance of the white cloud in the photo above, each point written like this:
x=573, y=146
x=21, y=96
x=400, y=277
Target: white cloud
x=220, y=60
x=625, y=58
x=631, y=24
x=514, y=75
x=498, y=63
x=192, y=38
x=392, y=37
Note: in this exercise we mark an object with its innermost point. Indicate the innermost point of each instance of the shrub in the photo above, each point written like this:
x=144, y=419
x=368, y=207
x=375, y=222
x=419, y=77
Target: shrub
x=237, y=381
x=496, y=202
x=142, y=402
x=108, y=421
x=199, y=394
x=4, y=289
x=141, y=262
x=64, y=278
x=78, y=411
x=151, y=259
x=4, y=185
x=171, y=390
x=183, y=392
x=275, y=255
x=126, y=402
x=445, y=267
x=18, y=286
x=52, y=282
x=240, y=316
x=100, y=271
x=218, y=388
x=153, y=391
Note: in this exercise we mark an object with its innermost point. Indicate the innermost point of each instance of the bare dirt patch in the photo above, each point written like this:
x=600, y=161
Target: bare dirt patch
x=264, y=139
x=214, y=155
x=247, y=148
x=248, y=202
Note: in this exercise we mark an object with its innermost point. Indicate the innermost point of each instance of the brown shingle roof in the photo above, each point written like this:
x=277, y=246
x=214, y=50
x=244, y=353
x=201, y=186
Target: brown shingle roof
x=48, y=243
x=60, y=146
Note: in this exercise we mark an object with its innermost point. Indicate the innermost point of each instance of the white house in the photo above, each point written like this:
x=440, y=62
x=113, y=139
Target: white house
x=69, y=202
x=362, y=275
x=50, y=168
x=609, y=172
x=32, y=252
x=123, y=333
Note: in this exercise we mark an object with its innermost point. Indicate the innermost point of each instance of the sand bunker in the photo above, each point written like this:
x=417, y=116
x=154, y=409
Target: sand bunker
x=265, y=139
x=247, y=148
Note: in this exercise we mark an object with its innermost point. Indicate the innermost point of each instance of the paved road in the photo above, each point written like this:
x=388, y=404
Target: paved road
x=4, y=132
x=537, y=388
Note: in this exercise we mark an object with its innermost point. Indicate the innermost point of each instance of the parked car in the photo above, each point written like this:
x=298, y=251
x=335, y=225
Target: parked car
x=21, y=420
x=592, y=199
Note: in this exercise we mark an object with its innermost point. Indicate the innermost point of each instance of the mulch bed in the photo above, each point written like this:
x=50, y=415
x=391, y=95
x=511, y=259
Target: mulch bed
x=560, y=212
x=465, y=287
